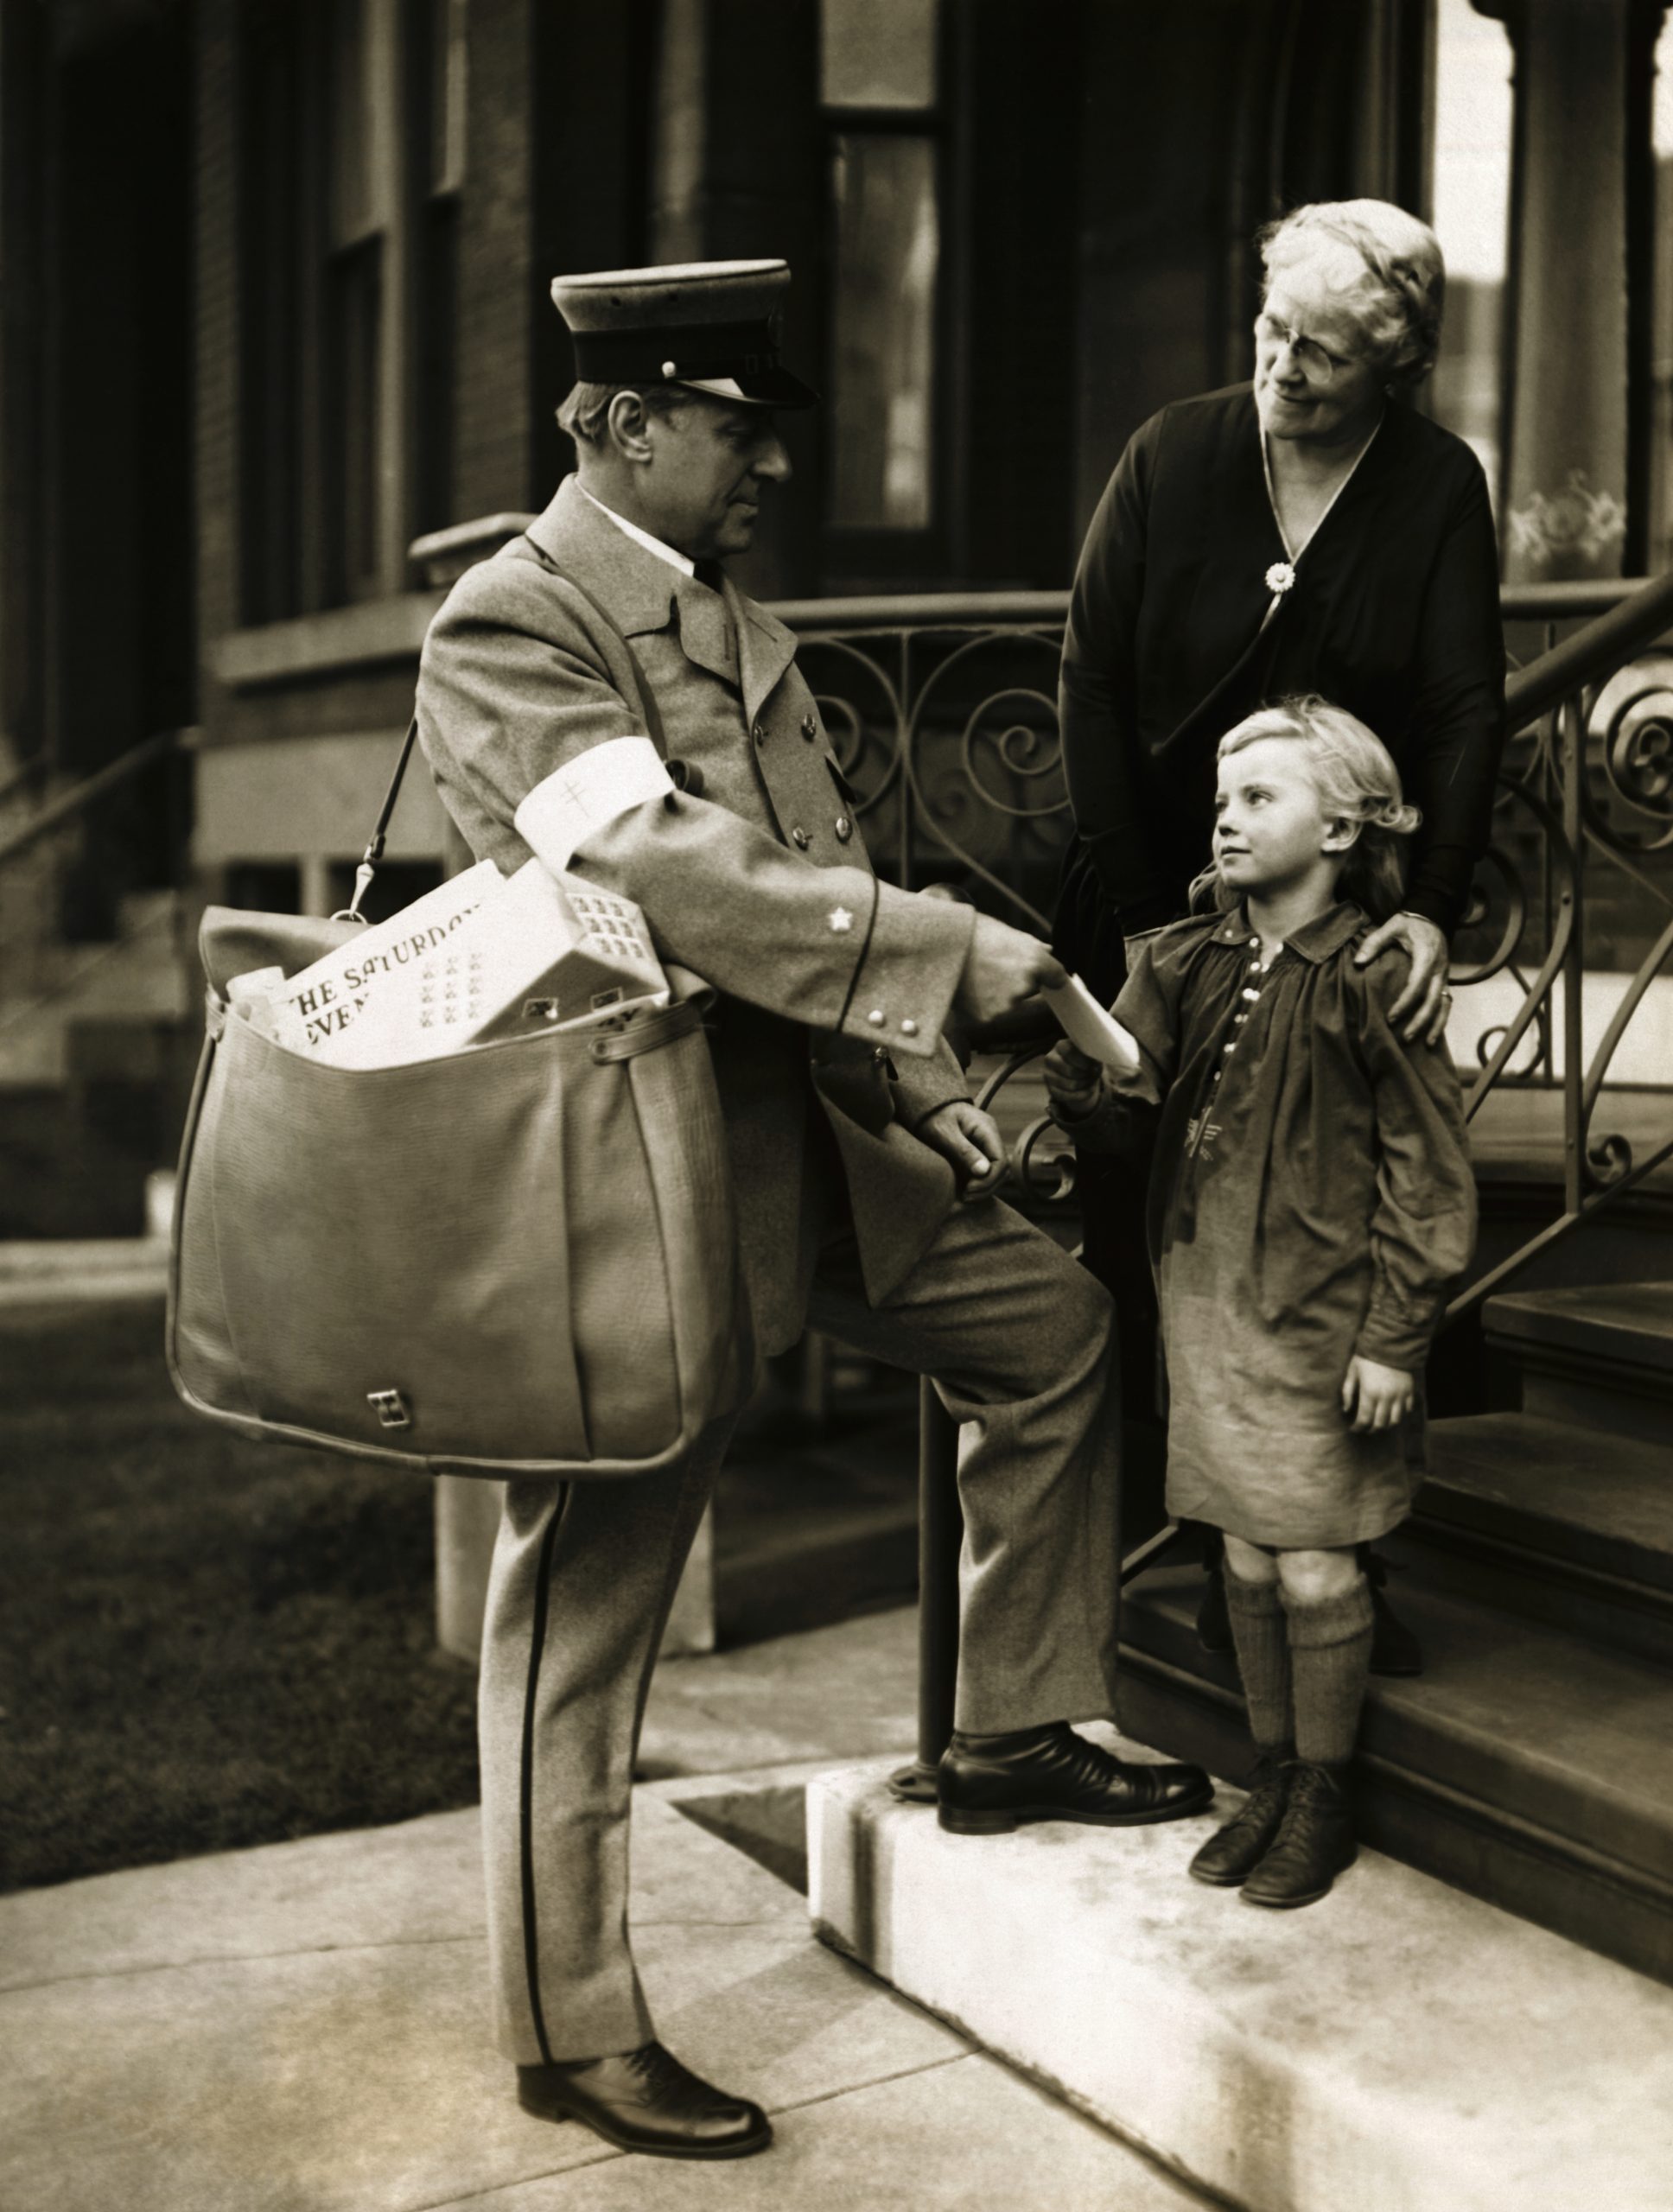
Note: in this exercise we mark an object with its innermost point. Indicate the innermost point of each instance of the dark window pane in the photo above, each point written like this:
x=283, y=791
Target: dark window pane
x=264, y=886
x=878, y=52
x=272, y=118
x=888, y=247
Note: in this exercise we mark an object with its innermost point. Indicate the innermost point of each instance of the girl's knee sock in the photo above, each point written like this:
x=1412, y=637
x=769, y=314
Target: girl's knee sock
x=1257, y=1632
x=1329, y=1658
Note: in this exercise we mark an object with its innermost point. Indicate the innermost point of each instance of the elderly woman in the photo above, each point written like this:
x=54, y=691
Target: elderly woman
x=1307, y=532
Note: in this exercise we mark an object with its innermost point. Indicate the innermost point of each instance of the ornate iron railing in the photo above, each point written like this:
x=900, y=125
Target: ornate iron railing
x=943, y=713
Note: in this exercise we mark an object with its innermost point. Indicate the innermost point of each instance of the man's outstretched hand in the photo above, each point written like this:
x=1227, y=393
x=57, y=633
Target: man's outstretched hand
x=1004, y=966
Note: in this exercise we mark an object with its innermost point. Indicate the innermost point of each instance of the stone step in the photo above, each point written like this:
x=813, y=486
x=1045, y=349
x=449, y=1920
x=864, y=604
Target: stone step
x=1528, y=1765
x=1600, y=1355
x=1398, y=2044
x=1550, y=1521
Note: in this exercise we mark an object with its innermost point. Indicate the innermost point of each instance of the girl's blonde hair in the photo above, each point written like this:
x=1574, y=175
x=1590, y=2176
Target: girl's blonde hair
x=1356, y=781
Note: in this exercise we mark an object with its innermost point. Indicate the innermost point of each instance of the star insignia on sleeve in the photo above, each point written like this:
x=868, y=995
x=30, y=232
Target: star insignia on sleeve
x=841, y=921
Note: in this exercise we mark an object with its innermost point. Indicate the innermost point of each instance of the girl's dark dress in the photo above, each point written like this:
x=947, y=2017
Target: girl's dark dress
x=1311, y=1199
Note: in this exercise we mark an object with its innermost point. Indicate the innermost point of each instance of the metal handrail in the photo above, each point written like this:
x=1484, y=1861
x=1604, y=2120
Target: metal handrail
x=962, y=610
x=1592, y=654
x=76, y=801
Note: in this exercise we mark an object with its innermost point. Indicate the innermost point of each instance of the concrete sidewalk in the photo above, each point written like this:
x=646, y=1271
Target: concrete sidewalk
x=303, y=2028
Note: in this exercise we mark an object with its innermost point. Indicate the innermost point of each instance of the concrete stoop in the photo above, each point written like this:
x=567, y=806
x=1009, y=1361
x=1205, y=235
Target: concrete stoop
x=1400, y=2047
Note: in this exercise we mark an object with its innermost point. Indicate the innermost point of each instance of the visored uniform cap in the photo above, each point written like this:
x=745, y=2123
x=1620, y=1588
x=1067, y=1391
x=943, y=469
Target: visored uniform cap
x=710, y=324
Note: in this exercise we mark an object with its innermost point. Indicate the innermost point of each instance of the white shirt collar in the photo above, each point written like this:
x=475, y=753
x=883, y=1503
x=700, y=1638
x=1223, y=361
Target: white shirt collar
x=687, y=567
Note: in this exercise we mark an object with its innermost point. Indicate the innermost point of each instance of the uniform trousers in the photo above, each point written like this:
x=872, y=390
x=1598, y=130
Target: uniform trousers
x=1017, y=1338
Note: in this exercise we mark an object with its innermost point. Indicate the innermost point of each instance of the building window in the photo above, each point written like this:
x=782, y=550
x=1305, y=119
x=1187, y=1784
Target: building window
x=351, y=152
x=1659, y=548
x=878, y=90
x=879, y=54
x=1471, y=187
x=887, y=253
x=439, y=55
x=361, y=190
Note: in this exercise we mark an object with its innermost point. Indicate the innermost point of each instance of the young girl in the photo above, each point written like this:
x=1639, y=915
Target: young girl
x=1310, y=1202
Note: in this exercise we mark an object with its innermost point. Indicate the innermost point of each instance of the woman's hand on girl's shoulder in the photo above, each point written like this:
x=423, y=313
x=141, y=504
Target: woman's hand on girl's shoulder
x=1424, y=1002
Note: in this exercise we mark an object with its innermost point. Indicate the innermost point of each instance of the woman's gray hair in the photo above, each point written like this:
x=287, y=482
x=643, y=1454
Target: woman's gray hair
x=1398, y=292
x=585, y=415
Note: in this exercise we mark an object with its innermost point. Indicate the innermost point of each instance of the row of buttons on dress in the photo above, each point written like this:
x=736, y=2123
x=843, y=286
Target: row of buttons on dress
x=1250, y=997
x=798, y=837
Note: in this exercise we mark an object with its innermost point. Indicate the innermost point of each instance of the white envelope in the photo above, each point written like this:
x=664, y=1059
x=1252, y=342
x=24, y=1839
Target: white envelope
x=1097, y=1032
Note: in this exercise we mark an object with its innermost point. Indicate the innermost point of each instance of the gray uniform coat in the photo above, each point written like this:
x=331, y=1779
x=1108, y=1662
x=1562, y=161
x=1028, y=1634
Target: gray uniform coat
x=828, y=1056
x=760, y=884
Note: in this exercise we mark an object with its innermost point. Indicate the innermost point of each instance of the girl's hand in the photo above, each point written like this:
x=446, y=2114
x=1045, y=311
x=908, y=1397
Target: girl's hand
x=1375, y=1396
x=1074, y=1084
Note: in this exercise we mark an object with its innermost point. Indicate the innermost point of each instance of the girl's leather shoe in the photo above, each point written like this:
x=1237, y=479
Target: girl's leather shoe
x=1314, y=1842
x=645, y=2100
x=1233, y=1853
x=990, y=1784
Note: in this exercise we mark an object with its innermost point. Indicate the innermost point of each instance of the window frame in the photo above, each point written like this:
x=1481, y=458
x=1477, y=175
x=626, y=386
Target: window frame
x=857, y=556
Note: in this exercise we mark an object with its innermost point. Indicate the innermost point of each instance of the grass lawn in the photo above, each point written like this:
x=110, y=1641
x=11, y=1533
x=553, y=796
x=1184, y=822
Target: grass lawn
x=203, y=1642
x=206, y=1643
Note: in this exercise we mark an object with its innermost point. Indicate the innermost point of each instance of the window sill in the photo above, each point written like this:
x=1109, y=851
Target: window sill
x=343, y=637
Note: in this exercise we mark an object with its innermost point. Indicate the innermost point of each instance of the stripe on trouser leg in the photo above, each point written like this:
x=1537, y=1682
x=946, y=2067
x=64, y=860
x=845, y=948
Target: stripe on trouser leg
x=537, y=1646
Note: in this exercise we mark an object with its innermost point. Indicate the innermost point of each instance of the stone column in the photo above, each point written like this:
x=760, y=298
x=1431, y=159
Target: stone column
x=1566, y=478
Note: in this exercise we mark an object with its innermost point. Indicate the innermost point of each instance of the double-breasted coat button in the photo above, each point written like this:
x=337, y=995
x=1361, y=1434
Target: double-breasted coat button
x=909, y=1027
x=809, y=727
x=876, y=1017
x=799, y=837
x=845, y=829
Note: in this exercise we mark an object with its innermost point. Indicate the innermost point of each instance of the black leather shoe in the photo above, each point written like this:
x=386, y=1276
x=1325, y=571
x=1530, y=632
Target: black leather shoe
x=645, y=2100
x=990, y=1784
x=1233, y=1852
x=1314, y=1842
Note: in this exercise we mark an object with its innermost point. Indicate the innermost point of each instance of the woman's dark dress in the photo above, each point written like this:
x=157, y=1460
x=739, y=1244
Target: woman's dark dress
x=1311, y=1199
x=1394, y=615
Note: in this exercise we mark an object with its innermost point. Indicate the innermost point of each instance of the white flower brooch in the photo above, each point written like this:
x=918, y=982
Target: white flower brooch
x=1280, y=577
